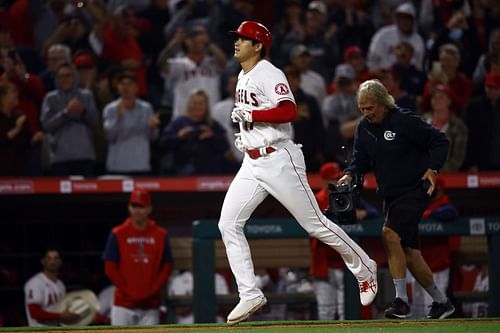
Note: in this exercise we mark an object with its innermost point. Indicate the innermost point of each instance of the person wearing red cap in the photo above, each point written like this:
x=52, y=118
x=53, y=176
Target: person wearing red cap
x=482, y=117
x=327, y=266
x=138, y=261
x=274, y=165
x=441, y=117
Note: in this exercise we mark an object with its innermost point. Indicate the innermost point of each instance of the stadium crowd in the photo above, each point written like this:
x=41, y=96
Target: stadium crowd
x=93, y=87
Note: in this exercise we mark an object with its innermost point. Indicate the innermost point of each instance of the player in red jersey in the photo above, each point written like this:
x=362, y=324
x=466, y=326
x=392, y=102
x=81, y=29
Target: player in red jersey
x=138, y=261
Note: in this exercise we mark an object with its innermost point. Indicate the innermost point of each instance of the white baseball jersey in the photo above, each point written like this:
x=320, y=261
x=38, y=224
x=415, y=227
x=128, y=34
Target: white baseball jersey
x=263, y=88
x=184, y=76
x=41, y=290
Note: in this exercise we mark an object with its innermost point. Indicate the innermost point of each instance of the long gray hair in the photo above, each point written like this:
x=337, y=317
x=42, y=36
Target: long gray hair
x=376, y=92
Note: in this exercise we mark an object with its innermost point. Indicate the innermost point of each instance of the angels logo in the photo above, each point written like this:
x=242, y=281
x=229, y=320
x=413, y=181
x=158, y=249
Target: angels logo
x=281, y=89
x=389, y=136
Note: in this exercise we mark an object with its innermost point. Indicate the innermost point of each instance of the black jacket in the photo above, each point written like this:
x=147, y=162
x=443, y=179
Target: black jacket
x=398, y=151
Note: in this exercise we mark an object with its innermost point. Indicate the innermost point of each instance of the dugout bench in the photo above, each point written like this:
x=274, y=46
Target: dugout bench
x=206, y=232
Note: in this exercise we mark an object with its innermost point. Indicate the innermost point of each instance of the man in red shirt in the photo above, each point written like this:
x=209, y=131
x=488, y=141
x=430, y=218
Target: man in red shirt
x=138, y=261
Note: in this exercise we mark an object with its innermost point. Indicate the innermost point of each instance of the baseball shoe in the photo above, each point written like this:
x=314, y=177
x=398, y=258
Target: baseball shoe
x=244, y=309
x=441, y=310
x=368, y=288
x=399, y=309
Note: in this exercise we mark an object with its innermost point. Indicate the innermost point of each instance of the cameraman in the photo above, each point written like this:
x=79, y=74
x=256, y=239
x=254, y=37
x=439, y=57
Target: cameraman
x=327, y=266
x=404, y=153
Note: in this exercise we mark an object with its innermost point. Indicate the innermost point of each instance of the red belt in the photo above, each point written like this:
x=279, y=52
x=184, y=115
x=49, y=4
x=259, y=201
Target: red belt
x=256, y=153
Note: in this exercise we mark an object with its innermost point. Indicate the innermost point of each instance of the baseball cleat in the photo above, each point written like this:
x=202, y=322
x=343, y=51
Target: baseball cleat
x=244, y=309
x=368, y=288
x=441, y=310
x=399, y=309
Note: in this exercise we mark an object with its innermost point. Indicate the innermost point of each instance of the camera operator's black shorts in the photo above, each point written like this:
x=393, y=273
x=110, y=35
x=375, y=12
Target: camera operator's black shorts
x=403, y=214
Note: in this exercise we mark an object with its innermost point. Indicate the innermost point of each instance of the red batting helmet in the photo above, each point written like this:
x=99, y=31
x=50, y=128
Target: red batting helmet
x=256, y=31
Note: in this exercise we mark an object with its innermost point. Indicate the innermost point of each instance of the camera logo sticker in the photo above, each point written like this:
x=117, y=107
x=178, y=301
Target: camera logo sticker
x=389, y=136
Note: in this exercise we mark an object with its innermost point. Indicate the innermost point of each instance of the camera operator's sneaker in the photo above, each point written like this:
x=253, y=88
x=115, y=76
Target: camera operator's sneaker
x=441, y=310
x=244, y=309
x=368, y=288
x=399, y=309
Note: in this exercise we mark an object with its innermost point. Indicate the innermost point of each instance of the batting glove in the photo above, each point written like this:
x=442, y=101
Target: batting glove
x=240, y=115
x=238, y=143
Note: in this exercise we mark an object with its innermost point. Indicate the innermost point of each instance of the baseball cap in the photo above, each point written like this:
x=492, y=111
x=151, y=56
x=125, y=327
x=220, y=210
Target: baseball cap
x=318, y=6
x=84, y=61
x=140, y=197
x=492, y=80
x=351, y=52
x=406, y=9
x=298, y=50
x=345, y=70
x=330, y=170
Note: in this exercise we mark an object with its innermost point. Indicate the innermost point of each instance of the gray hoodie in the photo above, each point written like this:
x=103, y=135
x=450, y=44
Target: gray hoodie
x=69, y=136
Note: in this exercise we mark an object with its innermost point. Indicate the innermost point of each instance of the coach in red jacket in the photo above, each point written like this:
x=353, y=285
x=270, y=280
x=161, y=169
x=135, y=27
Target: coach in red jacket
x=138, y=261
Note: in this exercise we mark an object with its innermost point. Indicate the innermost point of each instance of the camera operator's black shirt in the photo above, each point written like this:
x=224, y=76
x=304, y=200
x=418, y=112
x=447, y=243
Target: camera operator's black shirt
x=399, y=151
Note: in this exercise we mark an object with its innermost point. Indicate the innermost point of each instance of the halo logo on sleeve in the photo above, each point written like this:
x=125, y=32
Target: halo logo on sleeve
x=281, y=89
x=389, y=136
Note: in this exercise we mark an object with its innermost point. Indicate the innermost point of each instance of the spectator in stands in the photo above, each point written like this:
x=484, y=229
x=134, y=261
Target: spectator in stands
x=73, y=31
x=194, y=143
x=311, y=82
x=327, y=267
x=14, y=133
x=222, y=114
x=138, y=261
x=289, y=27
x=130, y=125
x=68, y=117
x=403, y=168
x=354, y=24
x=482, y=119
x=200, y=68
x=446, y=72
x=44, y=290
x=30, y=93
x=412, y=78
x=392, y=79
x=30, y=57
x=381, y=52
x=459, y=31
x=85, y=63
x=441, y=117
x=436, y=250
x=340, y=114
x=483, y=65
x=57, y=54
x=120, y=46
x=353, y=56
x=308, y=129
x=319, y=36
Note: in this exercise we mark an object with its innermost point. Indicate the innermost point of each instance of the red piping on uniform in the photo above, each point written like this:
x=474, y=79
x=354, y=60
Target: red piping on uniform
x=319, y=218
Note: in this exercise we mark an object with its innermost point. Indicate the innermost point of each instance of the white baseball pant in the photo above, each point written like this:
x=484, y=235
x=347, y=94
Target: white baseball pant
x=283, y=175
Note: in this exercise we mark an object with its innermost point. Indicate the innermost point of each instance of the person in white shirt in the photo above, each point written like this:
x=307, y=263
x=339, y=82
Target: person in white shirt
x=381, y=54
x=311, y=82
x=44, y=290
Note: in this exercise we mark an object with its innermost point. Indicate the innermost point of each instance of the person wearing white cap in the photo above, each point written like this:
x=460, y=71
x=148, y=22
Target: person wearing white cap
x=381, y=52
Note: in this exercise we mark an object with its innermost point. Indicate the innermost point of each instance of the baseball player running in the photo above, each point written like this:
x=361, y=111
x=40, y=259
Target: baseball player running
x=273, y=164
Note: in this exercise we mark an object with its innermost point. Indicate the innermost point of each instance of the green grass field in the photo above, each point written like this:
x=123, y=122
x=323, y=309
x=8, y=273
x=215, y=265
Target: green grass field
x=489, y=325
